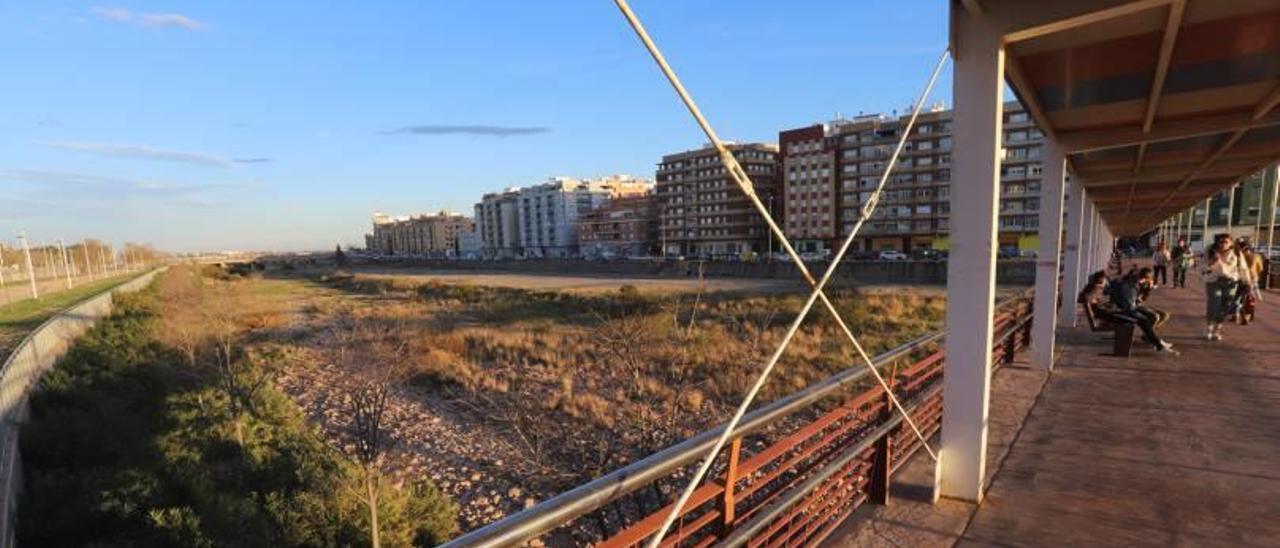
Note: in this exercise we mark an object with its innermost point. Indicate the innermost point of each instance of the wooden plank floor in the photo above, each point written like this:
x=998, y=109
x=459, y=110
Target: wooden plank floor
x=1150, y=450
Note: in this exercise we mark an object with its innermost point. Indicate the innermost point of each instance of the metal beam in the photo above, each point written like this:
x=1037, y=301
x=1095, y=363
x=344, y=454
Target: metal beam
x=1099, y=139
x=1170, y=38
x=1083, y=20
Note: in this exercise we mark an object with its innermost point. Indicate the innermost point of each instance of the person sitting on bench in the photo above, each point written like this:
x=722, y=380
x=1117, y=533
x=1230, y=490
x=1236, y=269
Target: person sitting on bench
x=1145, y=283
x=1091, y=294
x=1124, y=295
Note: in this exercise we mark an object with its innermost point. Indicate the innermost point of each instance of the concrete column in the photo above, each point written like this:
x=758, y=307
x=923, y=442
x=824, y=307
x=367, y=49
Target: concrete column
x=1204, y=232
x=1073, y=253
x=978, y=91
x=1090, y=229
x=1046, y=300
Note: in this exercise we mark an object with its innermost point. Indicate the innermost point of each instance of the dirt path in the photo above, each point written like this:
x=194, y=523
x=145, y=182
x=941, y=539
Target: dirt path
x=584, y=283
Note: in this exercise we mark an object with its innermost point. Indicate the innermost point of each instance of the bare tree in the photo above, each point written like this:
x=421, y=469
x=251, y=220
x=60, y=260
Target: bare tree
x=374, y=358
x=237, y=375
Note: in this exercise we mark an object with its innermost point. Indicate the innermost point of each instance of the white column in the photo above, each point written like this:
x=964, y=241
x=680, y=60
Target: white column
x=978, y=92
x=1204, y=232
x=1073, y=253
x=1044, y=324
x=1231, y=207
x=1271, y=226
x=1090, y=229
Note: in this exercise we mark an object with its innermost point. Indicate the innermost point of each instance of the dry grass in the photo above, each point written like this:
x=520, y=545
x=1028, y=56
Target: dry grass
x=605, y=379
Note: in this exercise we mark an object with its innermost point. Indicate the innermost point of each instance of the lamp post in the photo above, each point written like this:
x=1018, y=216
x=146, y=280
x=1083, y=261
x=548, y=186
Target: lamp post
x=31, y=272
x=66, y=263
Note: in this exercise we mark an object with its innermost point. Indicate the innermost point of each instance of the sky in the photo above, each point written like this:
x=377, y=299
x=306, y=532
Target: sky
x=281, y=125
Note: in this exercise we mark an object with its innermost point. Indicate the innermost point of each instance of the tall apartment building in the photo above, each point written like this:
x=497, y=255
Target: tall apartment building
x=425, y=234
x=701, y=209
x=627, y=226
x=548, y=213
x=829, y=171
x=498, y=223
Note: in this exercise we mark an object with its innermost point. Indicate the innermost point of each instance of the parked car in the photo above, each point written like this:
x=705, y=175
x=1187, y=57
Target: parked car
x=925, y=254
x=892, y=255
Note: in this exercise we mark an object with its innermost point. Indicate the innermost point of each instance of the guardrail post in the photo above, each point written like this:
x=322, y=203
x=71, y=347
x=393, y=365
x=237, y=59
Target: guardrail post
x=730, y=481
x=880, y=467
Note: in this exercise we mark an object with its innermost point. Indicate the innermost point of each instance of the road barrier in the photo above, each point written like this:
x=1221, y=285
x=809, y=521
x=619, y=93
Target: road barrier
x=23, y=369
x=795, y=469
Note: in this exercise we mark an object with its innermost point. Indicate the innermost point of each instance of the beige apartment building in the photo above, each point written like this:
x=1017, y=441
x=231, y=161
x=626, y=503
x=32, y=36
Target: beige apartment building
x=420, y=235
x=627, y=226
x=829, y=171
x=702, y=211
x=498, y=222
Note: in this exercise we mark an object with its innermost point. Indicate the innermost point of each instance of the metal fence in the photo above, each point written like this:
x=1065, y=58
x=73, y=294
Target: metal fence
x=22, y=370
x=795, y=469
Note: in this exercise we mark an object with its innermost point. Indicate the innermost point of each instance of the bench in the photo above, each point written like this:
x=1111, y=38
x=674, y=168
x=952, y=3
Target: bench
x=1120, y=326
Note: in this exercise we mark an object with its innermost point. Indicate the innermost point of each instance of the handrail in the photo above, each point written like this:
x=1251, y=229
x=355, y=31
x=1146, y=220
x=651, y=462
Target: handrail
x=588, y=497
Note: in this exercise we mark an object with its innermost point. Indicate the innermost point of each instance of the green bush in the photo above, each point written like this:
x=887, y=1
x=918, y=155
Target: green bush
x=126, y=446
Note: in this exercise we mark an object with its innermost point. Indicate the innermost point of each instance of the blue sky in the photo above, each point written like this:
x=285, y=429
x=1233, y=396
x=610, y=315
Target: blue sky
x=283, y=124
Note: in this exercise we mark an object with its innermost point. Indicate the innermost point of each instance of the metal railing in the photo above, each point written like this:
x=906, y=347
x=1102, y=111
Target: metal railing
x=795, y=469
x=21, y=372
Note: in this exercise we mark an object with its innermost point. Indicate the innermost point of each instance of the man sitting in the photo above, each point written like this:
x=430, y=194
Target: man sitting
x=1146, y=281
x=1124, y=294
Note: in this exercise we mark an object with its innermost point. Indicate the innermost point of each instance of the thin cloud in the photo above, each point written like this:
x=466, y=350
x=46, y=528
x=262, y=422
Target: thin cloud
x=141, y=152
x=488, y=131
x=148, y=20
x=42, y=190
x=119, y=15
x=170, y=20
x=252, y=160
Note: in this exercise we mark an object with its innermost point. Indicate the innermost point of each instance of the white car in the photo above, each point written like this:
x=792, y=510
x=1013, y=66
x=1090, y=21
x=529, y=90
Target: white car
x=892, y=255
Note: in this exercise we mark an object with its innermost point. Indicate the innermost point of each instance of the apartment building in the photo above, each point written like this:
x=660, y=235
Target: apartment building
x=498, y=222
x=548, y=213
x=830, y=170
x=627, y=226
x=420, y=235
x=701, y=209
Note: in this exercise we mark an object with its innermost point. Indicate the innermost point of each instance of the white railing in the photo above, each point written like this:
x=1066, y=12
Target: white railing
x=23, y=369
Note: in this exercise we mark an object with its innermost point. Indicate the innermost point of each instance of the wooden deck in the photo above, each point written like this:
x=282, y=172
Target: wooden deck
x=1150, y=450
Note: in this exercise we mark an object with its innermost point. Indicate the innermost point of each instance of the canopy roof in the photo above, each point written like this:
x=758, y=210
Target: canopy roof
x=1158, y=103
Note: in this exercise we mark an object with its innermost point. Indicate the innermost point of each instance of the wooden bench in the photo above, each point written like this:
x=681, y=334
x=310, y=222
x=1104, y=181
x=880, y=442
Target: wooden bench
x=1120, y=326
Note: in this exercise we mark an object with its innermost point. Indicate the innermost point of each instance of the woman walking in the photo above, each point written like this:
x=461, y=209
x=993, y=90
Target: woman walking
x=1160, y=263
x=1250, y=277
x=1221, y=275
x=1183, y=260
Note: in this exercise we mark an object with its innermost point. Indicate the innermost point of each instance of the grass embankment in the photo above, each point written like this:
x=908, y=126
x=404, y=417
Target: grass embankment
x=140, y=437
x=19, y=318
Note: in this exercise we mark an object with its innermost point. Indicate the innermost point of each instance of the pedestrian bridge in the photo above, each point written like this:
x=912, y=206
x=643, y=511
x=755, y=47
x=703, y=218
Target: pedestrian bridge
x=1148, y=107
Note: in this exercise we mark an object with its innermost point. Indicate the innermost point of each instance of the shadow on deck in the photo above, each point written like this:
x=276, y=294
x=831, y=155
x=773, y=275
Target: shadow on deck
x=1150, y=450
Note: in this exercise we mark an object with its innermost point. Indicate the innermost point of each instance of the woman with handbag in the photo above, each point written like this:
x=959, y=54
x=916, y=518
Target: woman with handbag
x=1221, y=276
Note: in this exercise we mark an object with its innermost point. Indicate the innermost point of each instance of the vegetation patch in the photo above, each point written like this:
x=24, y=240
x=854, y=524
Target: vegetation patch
x=159, y=429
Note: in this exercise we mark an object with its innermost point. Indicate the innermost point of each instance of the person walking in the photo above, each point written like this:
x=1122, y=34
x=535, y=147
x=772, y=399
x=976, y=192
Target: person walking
x=1160, y=264
x=1221, y=276
x=1250, y=281
x=1183, y=260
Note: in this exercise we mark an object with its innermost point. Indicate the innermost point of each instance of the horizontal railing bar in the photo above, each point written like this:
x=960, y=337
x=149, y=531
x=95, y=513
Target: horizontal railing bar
x=744, y=532
x=572, y=504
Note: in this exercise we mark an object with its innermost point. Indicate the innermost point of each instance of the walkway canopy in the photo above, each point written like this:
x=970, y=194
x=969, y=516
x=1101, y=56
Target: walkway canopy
x=1149, y=106
x=1158, y=103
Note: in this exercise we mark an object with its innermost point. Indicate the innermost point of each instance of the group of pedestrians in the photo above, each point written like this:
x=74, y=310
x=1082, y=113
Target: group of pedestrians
x=1232, y=272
